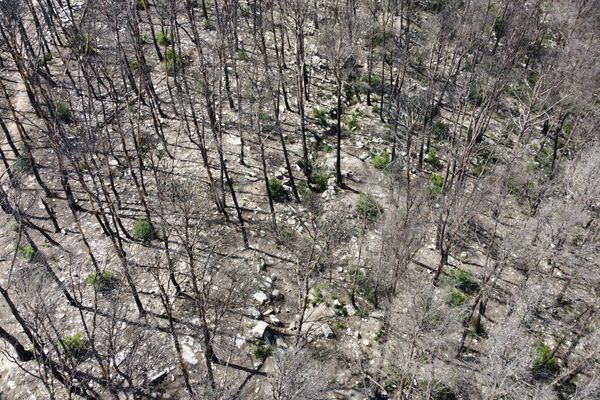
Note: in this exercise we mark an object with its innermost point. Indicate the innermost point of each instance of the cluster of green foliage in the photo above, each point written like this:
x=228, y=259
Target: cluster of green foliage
x=141, y=4
x=440, y=129
x=62, y=110
x=83, y=43
x=381, y=160
x=318, y=179
x=261, y=350
x=367, y=207
x=101, y=281
x=278, y=192
x=134, y=64
x=73, y=345
x=438, y=390
x=432, y=158
x=359, y=278
x=47, y=57
x=320, y=115
x=266, y=121
x=284, y=236
x=143, y=230
x=352, y=121
x=162, y=39
x=172, y=62
x=464, y=281
x=436, y=182
x=23, y=163
x=302, y=189
x=26, y=252
x=545, y=363
x=456, y=297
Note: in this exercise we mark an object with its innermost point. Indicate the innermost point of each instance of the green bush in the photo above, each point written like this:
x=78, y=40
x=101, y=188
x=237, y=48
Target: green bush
x=284, y=236
x=143, y=230
x=23, y=163
x=302, y=189
x=381, y=160
x=436, y=182
x=63, y=112
x=440, y=129
x=456, y=297
x=319, y=178
x=464, y=281
x=352, y=121
x=432, y=158
x=207, y=25
x=320, y=115
x=172, y=62
x=479, y=169
x=26, y=252
x=544, y=363
x=162, y=39
x=83, y=43
x=100, y=281
x=261, y=350
x=73, y=345
x=367, y=207
x=278, y=192
x=47, y=57
x=141, y=4
x=134, y=64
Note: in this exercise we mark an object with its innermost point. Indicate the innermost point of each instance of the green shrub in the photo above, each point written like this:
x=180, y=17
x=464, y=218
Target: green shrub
x=440, y=129
x=326, y=147
x=83, y=43
x=243, y=54
x=352, y=121
x=302, y=189
x=432, y=158
x=23, y=163
x=367, y=207
x=464, y=281
x=320, y=115
x=319, y=178
x=207, y=25
x=47, y=57
x=100, y=281
x=436, y=182
x=439, y=390
x=172, y=62
x=134, y=64
x=63, y=112
x=261, y=350
x=73, y=345
x=456, y=297
x=162, y=39
x=141, y=4
x=26, y=252
x=479, y=169
x=381, y=160
x=284, y=236
x=278, y=192
x=544, y=363
x=143, y=230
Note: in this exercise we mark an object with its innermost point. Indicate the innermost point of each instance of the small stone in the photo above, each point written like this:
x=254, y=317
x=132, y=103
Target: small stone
x=327, y=332
x=276, y=295
x=259, y=330
x=366, y=342
x=260, y=297
x=253, y=313
x=239, y=341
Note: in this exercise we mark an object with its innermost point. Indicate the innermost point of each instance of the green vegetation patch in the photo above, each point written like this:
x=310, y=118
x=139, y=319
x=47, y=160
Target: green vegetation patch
x=143, y=230
x=367, y=207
